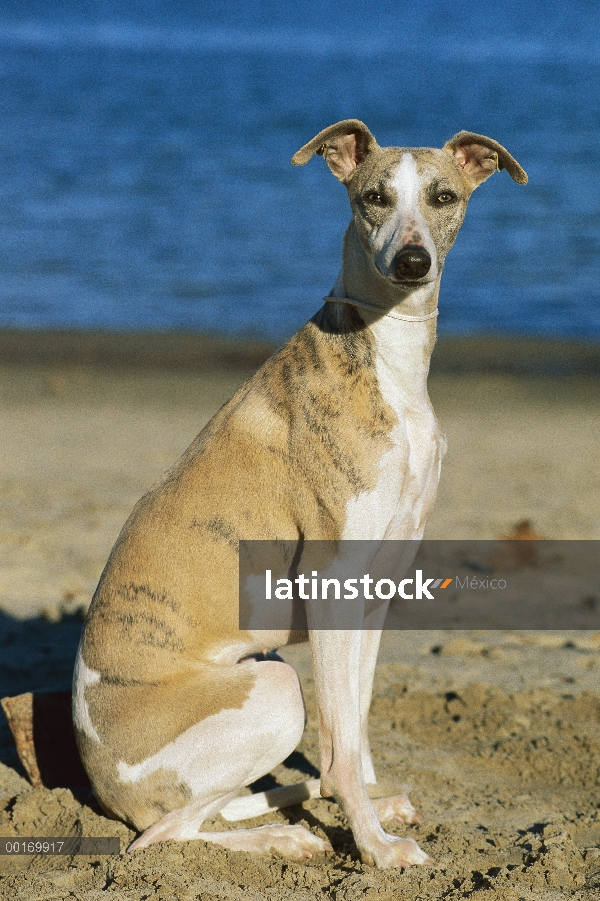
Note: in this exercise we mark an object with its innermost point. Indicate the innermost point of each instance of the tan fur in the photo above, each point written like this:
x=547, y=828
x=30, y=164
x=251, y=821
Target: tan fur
x=139, y=804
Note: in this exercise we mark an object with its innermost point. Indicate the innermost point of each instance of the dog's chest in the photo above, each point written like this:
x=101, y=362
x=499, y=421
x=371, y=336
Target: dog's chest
x=400, y=503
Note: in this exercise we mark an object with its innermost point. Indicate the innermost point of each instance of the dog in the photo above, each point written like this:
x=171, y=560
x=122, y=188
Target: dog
x=175, y=707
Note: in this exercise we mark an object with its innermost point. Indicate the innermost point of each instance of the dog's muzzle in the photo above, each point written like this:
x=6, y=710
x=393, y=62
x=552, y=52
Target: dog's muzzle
x=412, y=263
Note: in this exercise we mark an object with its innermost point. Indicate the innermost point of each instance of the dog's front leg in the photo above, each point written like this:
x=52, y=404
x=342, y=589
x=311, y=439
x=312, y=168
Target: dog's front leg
x=394, y=805
x=369, y=648
x=336, y=667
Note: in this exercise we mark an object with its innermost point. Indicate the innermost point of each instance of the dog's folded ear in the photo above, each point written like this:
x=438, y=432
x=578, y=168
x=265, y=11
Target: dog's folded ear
x=479, y=157
x=343, y=146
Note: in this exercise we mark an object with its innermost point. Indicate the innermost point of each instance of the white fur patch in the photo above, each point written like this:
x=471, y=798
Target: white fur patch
x=388, y=240
x=407, y=184
x=399, y=505
x=83, y=677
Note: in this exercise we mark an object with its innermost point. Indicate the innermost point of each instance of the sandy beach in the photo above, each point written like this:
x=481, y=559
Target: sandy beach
x=497, y=733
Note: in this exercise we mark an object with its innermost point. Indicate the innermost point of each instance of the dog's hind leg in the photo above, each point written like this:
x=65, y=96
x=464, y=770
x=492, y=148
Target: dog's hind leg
x=229, y=750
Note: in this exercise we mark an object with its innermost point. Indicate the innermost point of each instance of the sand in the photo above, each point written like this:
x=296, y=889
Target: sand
x=497, y=733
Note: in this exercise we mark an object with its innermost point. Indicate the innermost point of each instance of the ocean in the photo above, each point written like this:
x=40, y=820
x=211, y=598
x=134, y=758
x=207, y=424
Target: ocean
x=145, y=177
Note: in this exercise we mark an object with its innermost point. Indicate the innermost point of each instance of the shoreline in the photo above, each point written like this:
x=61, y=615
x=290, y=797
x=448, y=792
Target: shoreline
x=196, y=351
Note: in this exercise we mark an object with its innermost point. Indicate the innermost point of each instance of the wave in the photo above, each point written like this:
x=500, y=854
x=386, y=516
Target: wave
x=126, y=36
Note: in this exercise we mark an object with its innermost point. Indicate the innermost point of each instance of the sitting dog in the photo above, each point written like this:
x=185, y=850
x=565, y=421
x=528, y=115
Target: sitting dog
x=175, y=708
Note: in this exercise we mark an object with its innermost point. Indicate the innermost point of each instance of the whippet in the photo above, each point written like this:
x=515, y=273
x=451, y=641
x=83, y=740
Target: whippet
x=333, y=438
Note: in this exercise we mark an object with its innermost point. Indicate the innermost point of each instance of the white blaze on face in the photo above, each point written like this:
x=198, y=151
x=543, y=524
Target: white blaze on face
x=405, y=221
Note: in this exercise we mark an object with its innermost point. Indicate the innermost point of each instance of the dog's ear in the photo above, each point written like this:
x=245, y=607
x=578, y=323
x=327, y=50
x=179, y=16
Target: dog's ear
x=343, y=146
x=479, y=157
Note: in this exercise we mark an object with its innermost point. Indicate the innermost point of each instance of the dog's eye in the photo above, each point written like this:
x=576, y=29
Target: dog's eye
x=445, y=197
x=374, y=197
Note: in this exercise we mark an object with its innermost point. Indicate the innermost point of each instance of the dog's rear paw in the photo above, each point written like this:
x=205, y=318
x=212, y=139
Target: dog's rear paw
x=398, y=808
x=294, y=842
x=397, y=852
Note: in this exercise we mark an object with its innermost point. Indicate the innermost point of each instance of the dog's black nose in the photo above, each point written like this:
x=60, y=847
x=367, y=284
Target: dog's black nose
x=412, y=262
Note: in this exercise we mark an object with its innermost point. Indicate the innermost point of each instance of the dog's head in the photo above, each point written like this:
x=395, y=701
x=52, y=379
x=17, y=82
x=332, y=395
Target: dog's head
x=408, y=203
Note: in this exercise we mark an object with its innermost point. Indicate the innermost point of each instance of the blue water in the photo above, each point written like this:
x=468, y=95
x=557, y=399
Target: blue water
x=145, y=179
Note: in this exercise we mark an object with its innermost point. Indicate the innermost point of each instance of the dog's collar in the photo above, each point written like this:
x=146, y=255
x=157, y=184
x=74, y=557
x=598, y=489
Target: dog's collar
x=374, y=309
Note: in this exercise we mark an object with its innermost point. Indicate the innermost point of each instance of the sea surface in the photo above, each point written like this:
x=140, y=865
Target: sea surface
x=145, y=177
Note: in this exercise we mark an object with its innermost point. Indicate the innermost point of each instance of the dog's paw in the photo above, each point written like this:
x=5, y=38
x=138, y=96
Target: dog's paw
x=398, y=808
x=294, y=842
x=396, y=852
